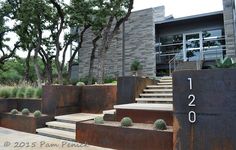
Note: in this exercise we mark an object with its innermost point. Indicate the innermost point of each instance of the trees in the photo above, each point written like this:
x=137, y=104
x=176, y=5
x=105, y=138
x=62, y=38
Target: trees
x=111, y=14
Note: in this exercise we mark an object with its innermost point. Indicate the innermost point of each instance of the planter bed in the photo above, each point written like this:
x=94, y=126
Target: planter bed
x=23, y=123
x=111, y=135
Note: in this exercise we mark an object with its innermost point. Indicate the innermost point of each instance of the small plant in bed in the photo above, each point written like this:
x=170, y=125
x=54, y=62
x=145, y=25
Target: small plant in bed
x=25, y=111
x=14, y=111
x=99, y=120
x=126, y=122
x=37, y=114
x=160, y=124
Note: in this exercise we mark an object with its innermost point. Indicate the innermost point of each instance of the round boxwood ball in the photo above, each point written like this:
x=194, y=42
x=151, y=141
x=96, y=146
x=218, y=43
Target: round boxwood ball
x=14, y=111
x=25, y=111
x=160, y=124
x=99, y=120
x=37, y=113
x=126, y=121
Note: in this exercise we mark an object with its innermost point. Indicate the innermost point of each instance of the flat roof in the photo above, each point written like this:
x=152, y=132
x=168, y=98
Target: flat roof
x=190, y=17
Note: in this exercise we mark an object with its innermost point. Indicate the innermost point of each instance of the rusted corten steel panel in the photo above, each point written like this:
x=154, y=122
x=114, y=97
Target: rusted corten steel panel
x=7, y=105
x=95, y=99
x=128, y=88
x=59, y=99
x=145, y=116
x=214, y=106
x=123, y=138
x=23, y=123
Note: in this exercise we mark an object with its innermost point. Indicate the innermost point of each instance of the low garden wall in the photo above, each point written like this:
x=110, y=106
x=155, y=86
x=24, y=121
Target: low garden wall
x=129, y=88
x=6, y=105
x=59, y=100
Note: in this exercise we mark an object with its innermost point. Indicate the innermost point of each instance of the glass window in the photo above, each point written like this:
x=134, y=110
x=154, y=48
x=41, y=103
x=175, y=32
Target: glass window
x=171, y=39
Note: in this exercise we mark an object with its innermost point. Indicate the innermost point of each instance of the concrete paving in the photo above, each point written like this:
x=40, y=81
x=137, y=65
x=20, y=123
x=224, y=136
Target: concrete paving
x=16, y=140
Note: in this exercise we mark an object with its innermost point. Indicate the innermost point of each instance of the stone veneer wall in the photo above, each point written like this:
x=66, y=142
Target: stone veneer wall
x=139, y=44
x=229, y=25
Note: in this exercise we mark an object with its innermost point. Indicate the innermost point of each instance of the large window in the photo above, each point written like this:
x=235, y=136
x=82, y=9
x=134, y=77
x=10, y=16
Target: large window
x=213, y=44
x=168, y=47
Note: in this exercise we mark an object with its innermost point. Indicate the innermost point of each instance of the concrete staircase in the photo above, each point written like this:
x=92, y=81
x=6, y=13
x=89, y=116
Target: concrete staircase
x=154, y=103
x=160, y=93
x=64, y=126
x=189, y=65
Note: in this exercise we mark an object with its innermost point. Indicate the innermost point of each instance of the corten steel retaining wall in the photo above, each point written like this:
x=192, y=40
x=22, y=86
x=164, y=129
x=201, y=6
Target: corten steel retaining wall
x=23, y=123
x=129, y=88
x=215, y=100
x=123, y=138
x=59, y=100
x=95, y=99
x=8, y=104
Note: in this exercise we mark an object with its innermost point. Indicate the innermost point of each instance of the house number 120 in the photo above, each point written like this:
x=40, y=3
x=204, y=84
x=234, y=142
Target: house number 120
x=192, y=114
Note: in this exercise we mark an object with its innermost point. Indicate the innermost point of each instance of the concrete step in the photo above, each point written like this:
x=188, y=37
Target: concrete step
x=154, y=99
x=157, y=90
x=161, y=80
x=65, y=135
x=159, y=86
x=73, y=118
x=164, y=83
x=61, y=125
x=156, y=95
x=110, y=112
x=166, y=78
x=145, y=106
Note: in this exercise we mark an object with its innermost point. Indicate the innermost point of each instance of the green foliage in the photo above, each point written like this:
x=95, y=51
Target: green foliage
x=86, y=80
x=14, y=92
x=14, y=111
x=109, y=79
x=80, y=84
x=225, y=63
x=74, y=81
x=136, y=66
x=126, y=121
x=37, y=114
x=25, y=111
x=5, y=92
x=98, y=120
x=160, y=124
x=21, y=92
x=38, y=93
x=29, y=92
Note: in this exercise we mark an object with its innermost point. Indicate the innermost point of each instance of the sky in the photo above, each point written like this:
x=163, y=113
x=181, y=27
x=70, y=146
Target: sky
x=181, y=8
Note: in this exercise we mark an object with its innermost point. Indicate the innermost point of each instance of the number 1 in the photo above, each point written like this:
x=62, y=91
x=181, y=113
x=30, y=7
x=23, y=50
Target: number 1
x=190, y=83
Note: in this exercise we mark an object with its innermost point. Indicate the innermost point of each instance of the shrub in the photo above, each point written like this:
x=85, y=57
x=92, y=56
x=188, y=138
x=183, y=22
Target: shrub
x=99, y=120
x=21, y=92
x=74, y=81
x=29, y=92
x=80, y=84
x=109, y=79
x=160, y=124
x=126, y=121
x=135, y=66
x=5, y=92
x=14, y=111
x=38, y=93
x=37, y=114
x=225, y=63
x=25, y=111
x=114, y=82
x=14, y=92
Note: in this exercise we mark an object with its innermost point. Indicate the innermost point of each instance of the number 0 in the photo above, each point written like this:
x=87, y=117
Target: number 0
x=192, y=117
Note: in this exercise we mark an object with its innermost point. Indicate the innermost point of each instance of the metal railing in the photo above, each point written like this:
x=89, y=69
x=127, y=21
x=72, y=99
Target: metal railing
x=174, y=62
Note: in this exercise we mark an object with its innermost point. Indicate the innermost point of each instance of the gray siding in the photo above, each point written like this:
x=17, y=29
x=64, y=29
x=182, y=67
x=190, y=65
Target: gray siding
x=139, y=44
x=229, y=24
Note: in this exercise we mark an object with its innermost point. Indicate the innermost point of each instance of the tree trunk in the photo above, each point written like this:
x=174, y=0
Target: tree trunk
x=27, y=66
x=92, y=57
x=37, y=70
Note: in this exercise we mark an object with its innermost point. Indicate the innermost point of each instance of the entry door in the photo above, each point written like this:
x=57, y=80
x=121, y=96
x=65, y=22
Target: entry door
x=192, y=46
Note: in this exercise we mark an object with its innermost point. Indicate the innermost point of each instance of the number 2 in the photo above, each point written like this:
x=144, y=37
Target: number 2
x=192, y=98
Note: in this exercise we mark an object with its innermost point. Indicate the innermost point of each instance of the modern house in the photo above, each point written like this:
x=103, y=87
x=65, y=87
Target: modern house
x=163, y=44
